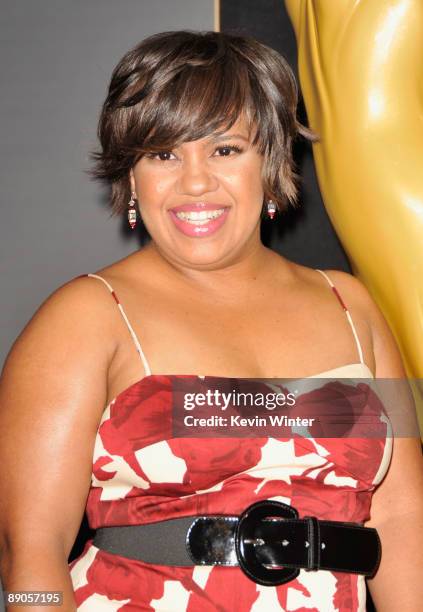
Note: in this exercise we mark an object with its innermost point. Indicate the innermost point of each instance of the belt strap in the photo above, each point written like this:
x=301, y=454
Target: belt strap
x=261, y=540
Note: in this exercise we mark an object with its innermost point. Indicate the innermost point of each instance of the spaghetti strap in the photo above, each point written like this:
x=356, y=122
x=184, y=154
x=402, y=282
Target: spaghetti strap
x=347, y=312
x=147, y=369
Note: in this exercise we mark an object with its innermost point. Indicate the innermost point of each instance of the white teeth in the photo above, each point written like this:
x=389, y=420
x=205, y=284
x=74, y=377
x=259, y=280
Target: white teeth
x=201, y=217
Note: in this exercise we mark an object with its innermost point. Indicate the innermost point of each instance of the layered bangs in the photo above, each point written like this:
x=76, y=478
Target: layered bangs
x=192, y=104
x=189, y=100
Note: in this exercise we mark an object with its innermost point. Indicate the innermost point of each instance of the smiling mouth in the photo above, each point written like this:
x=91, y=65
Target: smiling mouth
x=201, y=217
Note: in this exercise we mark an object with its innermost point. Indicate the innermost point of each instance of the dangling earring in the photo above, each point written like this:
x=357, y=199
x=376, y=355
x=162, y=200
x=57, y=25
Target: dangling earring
x=271, y=209
x=132, y=211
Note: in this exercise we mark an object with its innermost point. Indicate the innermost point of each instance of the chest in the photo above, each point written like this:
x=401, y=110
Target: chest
x=262, y=334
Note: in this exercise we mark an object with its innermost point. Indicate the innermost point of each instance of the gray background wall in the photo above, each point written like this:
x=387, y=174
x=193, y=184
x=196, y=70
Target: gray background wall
x=56, y=61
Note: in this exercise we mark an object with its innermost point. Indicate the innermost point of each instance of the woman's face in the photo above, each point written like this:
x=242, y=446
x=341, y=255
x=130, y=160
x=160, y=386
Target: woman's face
x=201, y=201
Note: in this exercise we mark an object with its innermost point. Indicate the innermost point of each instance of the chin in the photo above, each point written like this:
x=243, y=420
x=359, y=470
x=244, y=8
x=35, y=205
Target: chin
x=202, y=257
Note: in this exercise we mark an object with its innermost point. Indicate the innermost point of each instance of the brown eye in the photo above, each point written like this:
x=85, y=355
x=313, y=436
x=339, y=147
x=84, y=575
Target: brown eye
x=227, y=150
x=161, y=155
x=164, y=155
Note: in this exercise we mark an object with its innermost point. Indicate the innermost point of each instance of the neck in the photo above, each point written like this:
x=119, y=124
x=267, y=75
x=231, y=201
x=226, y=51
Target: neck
x=252, y=267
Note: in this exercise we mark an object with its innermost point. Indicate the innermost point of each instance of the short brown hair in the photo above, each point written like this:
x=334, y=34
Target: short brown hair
x=181, y=86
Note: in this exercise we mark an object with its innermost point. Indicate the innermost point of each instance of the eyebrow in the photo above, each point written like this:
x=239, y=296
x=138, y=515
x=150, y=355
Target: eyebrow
x=226, y=136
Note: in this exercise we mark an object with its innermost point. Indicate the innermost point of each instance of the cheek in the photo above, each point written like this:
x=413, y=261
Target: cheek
x=151, y=185
x=246, y=181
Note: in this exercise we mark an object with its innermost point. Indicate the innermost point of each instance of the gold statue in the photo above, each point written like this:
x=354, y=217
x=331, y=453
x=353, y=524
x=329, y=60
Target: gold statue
x=361, y=73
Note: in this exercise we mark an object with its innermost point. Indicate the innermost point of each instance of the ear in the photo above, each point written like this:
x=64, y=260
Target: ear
x=132, y=180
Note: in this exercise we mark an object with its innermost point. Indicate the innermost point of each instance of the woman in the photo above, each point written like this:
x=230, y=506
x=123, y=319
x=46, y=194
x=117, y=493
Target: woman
x=196, y=134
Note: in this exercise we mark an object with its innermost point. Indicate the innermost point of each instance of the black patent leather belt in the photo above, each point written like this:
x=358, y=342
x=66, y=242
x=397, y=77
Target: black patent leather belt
x=267, y=541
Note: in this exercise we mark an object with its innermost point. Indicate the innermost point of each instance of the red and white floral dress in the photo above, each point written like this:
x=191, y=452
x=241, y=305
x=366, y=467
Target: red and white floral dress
x=141, y=474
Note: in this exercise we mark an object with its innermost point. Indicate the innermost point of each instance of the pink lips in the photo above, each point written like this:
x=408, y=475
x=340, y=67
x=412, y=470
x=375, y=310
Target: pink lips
x=200, y=230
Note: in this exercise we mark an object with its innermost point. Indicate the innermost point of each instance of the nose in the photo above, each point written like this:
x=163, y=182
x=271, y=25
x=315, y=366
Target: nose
x=196, y=177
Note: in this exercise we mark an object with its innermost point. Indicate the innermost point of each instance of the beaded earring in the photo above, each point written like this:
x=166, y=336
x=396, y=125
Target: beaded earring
x=132, y=211
x=271, y=209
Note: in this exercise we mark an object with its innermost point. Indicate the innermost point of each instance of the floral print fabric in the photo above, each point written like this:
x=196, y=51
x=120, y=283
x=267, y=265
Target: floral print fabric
x=141, y=474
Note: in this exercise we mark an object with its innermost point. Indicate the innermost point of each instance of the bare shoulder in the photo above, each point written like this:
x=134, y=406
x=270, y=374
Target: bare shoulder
x=353, y=291
x=69, y=339
x=359, y=300
x=77, y=309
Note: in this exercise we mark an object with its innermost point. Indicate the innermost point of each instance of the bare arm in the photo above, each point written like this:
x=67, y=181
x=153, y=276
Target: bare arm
x=397, y=504
x=53, y=390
